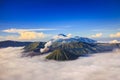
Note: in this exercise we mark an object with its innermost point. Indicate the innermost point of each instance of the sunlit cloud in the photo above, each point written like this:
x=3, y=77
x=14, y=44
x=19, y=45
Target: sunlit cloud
x=96, y=35
x=28, y=35
x=23, y=34
x=116, y=35
x=114, y=41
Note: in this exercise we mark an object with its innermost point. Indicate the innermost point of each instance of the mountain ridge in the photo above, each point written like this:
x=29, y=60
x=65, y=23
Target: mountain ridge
x=10, y=43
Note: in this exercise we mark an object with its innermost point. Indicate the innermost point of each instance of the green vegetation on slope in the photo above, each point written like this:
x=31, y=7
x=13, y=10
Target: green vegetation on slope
x=60, y=54
x=31, y=46
x=35, y=46
x=70, y=51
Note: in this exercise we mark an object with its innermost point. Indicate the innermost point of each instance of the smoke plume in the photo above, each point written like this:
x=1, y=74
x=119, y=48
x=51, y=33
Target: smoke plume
x=46, y=48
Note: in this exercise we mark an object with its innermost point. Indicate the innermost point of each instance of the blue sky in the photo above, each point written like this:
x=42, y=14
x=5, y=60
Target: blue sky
x=78, y=17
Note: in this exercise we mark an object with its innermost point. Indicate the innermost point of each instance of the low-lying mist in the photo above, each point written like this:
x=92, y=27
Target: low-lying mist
x=100, y=66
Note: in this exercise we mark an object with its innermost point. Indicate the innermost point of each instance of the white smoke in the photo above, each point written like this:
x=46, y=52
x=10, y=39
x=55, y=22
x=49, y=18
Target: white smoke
x=46, y=48
x=56, y=37
x=101, y=66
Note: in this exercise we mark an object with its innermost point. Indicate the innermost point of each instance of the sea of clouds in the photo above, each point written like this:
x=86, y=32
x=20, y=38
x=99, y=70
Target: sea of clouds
x=101, y=66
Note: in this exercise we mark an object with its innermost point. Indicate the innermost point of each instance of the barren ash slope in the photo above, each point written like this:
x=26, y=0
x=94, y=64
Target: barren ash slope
x=64, y=47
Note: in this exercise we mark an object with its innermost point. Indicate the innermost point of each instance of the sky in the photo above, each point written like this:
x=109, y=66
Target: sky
x=39, y=20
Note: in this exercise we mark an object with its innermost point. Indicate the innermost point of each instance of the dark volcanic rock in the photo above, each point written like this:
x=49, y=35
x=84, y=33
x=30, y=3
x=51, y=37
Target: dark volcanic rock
x=70, y=51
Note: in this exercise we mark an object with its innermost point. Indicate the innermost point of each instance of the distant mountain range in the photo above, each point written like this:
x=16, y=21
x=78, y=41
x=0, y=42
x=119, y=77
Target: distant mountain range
x=62, y=47
x=10, y=43
x=69, y=51
x=68, y=48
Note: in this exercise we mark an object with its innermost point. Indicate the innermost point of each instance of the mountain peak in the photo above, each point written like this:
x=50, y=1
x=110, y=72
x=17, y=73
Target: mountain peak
x=62, y=35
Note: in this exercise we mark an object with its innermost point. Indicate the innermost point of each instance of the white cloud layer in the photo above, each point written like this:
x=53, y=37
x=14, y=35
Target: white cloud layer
x=105, y=66
x=14, y=30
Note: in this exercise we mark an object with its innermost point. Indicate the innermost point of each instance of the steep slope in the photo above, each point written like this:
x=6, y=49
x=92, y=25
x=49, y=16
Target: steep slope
x=64, y=47
x=61, y=54
x=70, y=51
x=33, y=49
x=73, y=50
x=61, y=38
x=35, y=46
